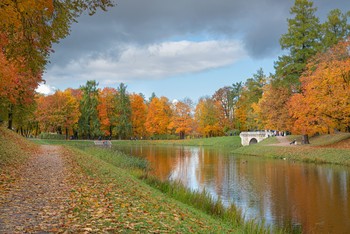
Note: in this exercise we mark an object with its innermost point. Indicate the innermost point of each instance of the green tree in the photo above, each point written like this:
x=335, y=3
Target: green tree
x=302, y=41
x=335, y=29
x=123, y=113
x=89, y=124
x=249, y=95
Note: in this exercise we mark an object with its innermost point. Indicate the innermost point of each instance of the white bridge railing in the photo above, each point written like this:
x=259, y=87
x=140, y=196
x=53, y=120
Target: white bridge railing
x=257, y=134
x=248, y=137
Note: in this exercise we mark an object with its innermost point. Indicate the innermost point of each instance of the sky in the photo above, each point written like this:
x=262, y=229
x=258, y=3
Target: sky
x=178, y=49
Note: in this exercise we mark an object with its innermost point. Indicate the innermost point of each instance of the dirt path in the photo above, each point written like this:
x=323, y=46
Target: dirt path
x=37, y=201
x=283, y=141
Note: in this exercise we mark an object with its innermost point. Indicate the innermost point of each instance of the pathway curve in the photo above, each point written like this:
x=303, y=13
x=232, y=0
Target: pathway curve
x=37, y=201
x=283, y=141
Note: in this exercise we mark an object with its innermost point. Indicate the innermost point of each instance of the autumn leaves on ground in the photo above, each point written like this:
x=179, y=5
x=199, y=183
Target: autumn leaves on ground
x=58, y=189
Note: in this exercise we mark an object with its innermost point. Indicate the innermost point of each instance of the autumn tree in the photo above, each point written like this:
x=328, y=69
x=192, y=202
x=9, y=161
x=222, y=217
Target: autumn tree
x=224, y=98
x=208, y=118
x=27, y=30
x=89, y=124
x=17, y=88
x=182, y=120
x=323, y=106
x=138, y=115
x=106, y=109
x=58, y=112
x=250, y=94
x=122, y=113
x=72, y=113
x=272, y=107
x=158, y=116
x=25, y=120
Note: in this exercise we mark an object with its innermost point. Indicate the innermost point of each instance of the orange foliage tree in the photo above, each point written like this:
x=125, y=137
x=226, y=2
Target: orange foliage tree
x=17, y=87
x=158, y=116
x=208, y=118
x=138, y=115
x=182, y=121
x=27, y=30
x=324, y=104
x=106, y=109
x=272, y=107
x=58, y=112
x=223, y=98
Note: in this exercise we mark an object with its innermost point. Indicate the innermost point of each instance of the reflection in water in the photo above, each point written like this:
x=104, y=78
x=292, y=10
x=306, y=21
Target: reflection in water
x=314, y=197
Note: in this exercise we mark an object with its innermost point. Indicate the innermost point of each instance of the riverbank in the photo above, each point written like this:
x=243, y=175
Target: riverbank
x=332, y=148
x=104, y=193
x=226, y=141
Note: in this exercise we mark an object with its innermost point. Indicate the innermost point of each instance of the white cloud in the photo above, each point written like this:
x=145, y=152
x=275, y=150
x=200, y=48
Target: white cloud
x=45, y=89
x=156, y=61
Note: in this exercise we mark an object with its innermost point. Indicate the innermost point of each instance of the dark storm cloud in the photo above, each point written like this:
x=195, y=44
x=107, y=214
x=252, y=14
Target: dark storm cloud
x=257, y=23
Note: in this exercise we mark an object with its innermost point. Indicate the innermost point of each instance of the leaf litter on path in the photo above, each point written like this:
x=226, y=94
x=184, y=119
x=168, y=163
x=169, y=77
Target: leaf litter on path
x=37, y=199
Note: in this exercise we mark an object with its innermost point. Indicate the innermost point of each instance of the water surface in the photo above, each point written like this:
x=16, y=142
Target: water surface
x=313, y=197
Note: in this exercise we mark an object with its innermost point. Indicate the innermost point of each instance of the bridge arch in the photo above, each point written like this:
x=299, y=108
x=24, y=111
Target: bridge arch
x=249, y=138
x=253, y=141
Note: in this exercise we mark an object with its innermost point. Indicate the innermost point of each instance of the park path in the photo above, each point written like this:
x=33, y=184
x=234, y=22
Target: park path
x=36, y=202
x=283, y=141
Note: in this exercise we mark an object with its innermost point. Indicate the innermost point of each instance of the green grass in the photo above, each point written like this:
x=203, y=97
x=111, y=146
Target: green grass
x=317, y=152
x=204, y=202
x=227, y=142
x=329, y=139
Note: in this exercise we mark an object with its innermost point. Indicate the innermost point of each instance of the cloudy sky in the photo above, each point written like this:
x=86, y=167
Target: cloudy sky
x=177, y=49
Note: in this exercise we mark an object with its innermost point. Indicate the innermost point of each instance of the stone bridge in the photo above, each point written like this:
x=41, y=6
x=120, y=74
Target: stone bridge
x=249, y=138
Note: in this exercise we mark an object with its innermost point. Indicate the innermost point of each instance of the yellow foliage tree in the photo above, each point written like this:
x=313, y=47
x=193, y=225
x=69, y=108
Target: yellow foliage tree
x=208, y=118
x=324, y=104
x=138, y=115
x=182, y=120
x=158, y=116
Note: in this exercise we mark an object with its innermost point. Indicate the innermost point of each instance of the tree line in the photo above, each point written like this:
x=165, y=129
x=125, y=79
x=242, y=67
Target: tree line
x=307, y=94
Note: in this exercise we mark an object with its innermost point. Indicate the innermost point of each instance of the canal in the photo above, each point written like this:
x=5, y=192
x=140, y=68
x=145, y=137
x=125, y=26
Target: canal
x=314, y=198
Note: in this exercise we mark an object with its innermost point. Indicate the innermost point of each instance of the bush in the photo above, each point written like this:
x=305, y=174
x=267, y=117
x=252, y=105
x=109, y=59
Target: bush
x=233, y=132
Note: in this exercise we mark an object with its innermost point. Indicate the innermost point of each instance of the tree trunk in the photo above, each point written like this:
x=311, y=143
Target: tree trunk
x=36, y=129
x=66, y=133
x=182, y=135
x=10, y=117
x=305, y=139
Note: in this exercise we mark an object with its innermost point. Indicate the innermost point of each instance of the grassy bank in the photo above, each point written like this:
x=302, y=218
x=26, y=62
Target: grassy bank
x=106, y=196
x=227, y=142
x=125, y=203
x=11, y=152
x=200, y=204
x=323, y=149
x=111, y=164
